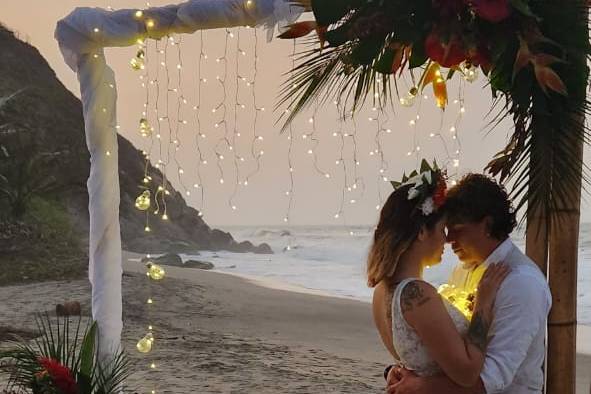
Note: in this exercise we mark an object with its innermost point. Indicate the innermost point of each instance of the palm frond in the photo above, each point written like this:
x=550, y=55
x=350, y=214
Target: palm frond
x=72, y=347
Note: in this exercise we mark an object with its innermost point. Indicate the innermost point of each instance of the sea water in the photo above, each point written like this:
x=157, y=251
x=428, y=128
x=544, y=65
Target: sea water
x=332, y=260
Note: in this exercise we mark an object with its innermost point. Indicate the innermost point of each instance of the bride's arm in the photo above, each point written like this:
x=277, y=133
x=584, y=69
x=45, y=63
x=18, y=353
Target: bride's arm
x=461, y=359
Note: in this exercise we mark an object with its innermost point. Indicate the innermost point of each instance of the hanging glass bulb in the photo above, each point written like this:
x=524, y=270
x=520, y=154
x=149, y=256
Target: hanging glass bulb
x=155, y=271
x=145, y=129
x=144, y=345
x=137, y=64
x=409, y=99
x=469, y=71
x=142, y=202
x=140, y=54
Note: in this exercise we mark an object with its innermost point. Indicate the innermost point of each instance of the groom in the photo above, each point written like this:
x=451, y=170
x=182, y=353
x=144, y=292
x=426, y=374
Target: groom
x=480, y=219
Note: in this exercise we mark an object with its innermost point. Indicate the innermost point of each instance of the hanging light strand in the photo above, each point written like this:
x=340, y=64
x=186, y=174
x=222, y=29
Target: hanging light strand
x=255, y=151
x=290, y=192
x=237, y=159
x=197, y=116
x=181, y=122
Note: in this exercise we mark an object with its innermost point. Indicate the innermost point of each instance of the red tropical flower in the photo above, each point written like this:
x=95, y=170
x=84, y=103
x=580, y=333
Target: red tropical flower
x=447, y=54
x=61, y=375
x=440, y=193
x=492, y=10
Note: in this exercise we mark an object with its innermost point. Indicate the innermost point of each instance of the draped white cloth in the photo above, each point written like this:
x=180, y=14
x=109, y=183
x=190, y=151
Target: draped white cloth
x=82, y=37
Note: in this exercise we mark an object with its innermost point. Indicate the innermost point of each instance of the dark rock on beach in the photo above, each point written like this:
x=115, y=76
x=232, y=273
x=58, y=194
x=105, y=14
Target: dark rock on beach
x=203, y=265
x=50, y=116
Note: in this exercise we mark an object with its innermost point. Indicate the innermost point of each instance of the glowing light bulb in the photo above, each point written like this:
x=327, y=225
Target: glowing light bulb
x=137, y=64
x=139, y=14
x=470, y=72
x=144, y=345
x=145, y=129
x=142, y=202
x=409, y=99
x=155, y=271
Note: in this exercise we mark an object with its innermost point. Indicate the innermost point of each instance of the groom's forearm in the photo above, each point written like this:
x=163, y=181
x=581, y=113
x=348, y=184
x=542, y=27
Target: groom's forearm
x=444, y=385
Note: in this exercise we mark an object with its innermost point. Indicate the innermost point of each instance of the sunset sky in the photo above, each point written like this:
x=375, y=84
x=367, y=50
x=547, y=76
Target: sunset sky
x=317, y=198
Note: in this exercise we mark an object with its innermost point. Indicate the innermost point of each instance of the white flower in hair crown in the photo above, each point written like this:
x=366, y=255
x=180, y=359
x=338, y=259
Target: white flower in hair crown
x=428, y=187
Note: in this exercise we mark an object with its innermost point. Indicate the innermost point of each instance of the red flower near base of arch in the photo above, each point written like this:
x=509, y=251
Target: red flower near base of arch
x=60, y=375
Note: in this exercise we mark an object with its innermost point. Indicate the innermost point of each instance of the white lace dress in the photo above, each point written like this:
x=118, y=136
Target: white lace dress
x=413, y=354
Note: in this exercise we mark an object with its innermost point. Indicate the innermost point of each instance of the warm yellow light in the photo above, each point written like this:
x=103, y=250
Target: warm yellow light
x=144, y=345
x=139, y=14
x=150, y=23
x=461, y=299
x=155, y=271
x=142, y=202
x=137, y=64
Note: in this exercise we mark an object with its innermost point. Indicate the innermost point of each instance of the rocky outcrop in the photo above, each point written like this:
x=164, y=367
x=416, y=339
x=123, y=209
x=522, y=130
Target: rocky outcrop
x=51, y=116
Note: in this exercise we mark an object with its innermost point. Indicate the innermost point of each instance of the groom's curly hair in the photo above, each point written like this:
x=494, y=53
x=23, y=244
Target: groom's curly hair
x=477, y=196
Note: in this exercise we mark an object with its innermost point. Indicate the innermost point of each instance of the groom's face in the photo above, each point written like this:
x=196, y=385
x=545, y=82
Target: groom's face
x=466, y=239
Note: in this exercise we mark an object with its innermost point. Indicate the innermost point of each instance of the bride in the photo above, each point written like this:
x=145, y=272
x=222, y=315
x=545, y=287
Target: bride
x=422, y=330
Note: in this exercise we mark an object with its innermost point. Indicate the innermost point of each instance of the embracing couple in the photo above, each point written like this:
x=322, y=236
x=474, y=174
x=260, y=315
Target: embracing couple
x=498, y=347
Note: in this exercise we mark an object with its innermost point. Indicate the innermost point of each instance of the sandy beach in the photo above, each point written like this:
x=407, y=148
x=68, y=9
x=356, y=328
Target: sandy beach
x=217, y=333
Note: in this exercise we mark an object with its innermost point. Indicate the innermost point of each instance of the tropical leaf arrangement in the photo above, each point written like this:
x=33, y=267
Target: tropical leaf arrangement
x=61, y=363
x=428, y=188
x=533, y=53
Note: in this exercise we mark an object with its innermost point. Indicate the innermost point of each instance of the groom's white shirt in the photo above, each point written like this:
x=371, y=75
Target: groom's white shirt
x=516, y=349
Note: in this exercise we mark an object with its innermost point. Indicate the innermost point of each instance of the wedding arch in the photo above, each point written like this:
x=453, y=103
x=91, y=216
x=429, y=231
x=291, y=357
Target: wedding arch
x=82, y=37
x=532, y=58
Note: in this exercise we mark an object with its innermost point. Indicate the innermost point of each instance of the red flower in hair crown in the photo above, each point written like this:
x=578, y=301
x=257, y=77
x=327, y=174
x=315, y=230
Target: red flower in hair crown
x=428, y=187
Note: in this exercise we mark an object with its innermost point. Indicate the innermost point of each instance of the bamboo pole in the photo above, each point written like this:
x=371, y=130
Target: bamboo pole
x=536, y=239
x=536, y=248
x=562, y=274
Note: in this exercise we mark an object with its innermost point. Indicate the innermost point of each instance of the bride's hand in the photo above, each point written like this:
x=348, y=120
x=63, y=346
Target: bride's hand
x=489, y=285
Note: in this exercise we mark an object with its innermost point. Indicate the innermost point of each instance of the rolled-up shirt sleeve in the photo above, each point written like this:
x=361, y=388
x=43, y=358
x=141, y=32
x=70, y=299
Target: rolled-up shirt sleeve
x=520, y=311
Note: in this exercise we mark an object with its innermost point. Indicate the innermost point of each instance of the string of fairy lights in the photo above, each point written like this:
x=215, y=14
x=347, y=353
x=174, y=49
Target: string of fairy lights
x=170, y=117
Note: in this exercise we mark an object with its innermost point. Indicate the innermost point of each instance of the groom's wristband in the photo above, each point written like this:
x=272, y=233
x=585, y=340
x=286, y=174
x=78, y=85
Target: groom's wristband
x=387, y=371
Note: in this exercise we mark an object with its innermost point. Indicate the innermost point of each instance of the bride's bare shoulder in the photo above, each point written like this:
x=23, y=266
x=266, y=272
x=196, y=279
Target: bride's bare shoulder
x=380, y=291
x=415, y=294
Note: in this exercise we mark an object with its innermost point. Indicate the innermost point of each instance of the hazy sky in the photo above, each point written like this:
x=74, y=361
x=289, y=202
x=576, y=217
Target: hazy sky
x=317, y=198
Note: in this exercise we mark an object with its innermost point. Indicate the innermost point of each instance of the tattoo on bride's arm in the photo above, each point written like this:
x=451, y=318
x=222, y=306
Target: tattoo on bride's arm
x=412, y=296
x=478, y=331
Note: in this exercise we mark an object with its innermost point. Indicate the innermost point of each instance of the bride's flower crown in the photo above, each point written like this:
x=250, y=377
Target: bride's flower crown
x=429, y=188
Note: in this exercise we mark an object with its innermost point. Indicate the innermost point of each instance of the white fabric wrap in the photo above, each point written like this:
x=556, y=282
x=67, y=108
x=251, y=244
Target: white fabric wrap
x=82, y=36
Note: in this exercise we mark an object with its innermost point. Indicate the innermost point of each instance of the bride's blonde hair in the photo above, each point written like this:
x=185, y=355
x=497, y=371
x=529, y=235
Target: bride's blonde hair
x=398, y=227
